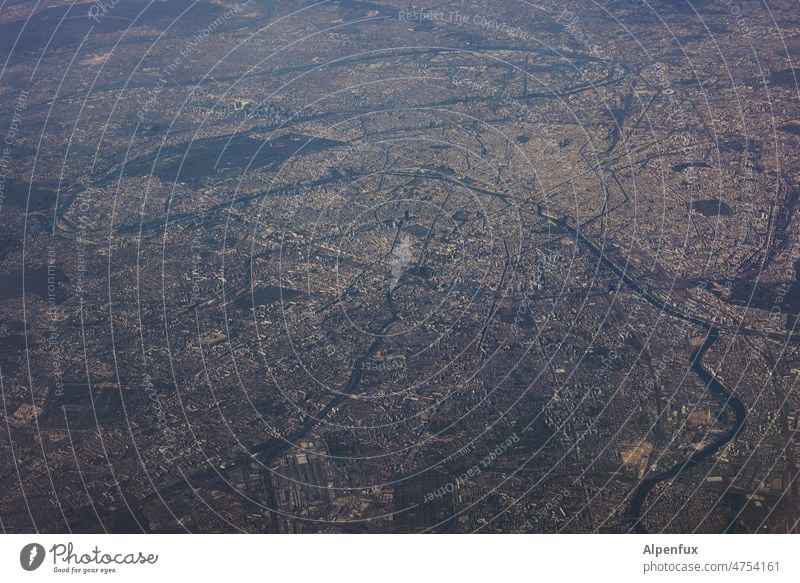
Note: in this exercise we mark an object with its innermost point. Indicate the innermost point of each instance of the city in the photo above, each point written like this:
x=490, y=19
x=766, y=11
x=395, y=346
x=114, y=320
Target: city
x=386, y=267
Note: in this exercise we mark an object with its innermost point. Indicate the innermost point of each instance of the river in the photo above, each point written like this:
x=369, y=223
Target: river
x=695, y=361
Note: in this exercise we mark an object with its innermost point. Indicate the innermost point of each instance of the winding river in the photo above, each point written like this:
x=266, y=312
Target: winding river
x=730, y=400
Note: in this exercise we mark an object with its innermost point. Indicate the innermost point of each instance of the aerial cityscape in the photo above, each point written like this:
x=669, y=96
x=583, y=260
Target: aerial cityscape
x=493, y=266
